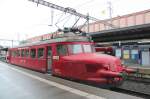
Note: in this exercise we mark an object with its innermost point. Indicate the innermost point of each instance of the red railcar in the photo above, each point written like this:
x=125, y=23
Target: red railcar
x=72, y=57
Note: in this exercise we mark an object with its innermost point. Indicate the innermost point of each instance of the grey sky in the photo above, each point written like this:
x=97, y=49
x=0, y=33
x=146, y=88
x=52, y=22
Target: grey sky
x=23, y=19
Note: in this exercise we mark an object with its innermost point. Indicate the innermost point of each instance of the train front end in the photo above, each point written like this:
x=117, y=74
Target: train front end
x=80, y=61
x=98, y=68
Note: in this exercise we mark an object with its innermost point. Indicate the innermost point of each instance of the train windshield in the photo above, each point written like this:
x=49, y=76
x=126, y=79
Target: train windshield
x=87, y=48
x=78, y=48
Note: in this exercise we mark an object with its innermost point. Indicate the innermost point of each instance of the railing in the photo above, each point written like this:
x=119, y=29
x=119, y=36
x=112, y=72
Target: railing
x=137, y=18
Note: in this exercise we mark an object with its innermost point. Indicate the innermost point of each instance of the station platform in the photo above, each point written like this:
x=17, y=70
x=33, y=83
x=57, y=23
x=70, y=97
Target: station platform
x=140, y=69
x=20, y=83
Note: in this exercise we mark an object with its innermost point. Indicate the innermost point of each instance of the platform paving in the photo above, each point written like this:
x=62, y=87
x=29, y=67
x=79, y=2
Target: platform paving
x=14, y=85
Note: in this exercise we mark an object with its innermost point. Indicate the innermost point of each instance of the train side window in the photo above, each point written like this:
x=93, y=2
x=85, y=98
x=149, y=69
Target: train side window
x=49, y=51
x=22, y=53
x=40, y=52
x=27, y=53
x=13, y=53
x=18, y=53
x=61, y=49
x=33, y=53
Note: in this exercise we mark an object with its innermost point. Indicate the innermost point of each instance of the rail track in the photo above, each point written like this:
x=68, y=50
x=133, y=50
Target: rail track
x=129, y=92
x=127, y=87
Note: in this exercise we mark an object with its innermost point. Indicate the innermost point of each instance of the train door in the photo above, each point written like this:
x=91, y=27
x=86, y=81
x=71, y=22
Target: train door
x=8, y=56
x=49, y=59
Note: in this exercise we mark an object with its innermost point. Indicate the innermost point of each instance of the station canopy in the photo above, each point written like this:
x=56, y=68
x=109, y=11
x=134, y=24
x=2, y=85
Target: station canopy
x=122, y=34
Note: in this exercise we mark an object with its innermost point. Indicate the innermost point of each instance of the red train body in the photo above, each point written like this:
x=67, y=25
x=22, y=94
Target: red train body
x=71, y=57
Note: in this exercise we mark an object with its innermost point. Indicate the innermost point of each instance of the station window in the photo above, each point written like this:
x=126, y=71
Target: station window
x=33, y=53
x=23, y=53
x=61, y=49
x=40, y=52
x=26, y=52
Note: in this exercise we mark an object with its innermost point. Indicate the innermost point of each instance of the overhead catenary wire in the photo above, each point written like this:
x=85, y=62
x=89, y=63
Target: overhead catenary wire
x=60, y=19
x=67, y=20
x=71, y=11
x=76, y=22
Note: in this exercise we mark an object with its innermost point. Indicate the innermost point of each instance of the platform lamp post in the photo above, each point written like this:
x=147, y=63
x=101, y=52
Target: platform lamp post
x=110, y=10
x=12, y=43
x=88, y=22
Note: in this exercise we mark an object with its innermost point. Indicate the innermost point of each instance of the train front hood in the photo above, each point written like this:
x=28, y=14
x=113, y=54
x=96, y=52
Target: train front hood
x=92, y=58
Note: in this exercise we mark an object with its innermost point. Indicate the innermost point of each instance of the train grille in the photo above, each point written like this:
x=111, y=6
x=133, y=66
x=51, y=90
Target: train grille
x=91, y=68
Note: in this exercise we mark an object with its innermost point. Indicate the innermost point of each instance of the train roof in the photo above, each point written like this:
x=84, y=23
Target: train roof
x=57, y=40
